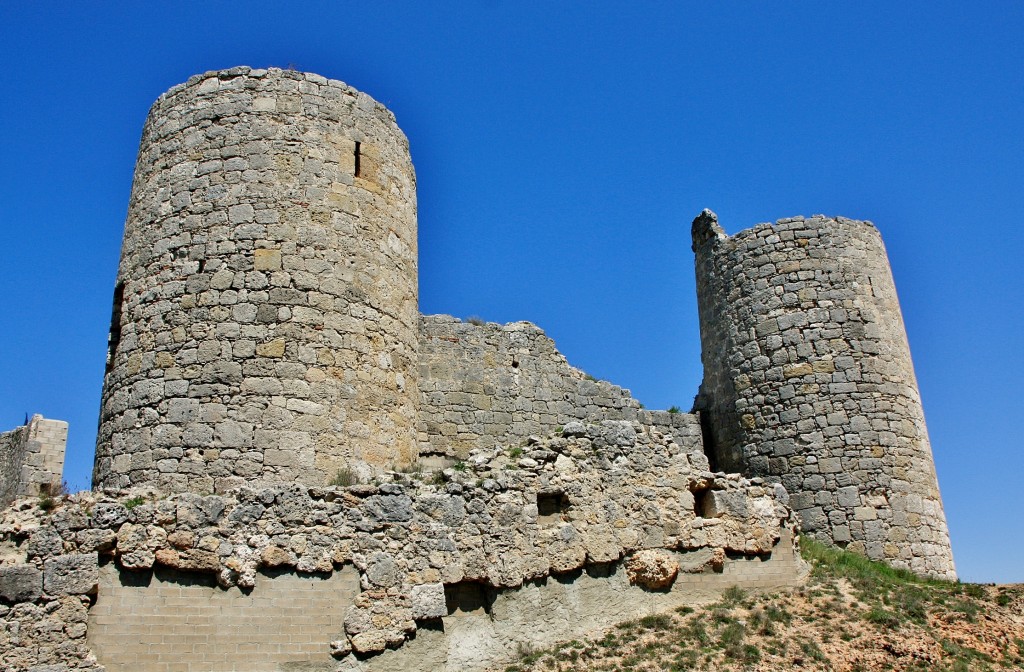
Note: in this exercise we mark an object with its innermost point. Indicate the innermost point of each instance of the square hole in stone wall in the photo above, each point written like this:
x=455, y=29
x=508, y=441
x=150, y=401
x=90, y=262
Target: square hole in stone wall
x=551, y=506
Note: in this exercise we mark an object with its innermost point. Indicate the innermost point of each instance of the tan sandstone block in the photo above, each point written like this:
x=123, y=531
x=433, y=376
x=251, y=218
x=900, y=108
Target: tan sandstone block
x=274, y=348
x=796, y=370
x=267, y=260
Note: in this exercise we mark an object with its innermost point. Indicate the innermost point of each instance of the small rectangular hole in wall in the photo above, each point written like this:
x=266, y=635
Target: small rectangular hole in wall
x=700, y=503
x=551, y=506
x=114, y=336
x=359, y=167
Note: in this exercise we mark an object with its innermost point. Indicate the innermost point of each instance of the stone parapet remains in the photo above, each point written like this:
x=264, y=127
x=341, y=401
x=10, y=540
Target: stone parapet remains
x=32, y=459
x=483, y=384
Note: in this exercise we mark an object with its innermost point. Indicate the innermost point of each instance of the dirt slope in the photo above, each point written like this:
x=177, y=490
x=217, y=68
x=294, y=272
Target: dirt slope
x=853, y=616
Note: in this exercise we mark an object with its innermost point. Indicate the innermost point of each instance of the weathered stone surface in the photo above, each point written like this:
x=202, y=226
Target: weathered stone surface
x=615, y=489
x=193, y=559
x=33, y=459
x=428, y=601
x=44, y=542
x=652, y=569
x=483, y=384
x=273, y=225
x=20, y=583
x=274, y=556
x=72, y=574
x=109, y=514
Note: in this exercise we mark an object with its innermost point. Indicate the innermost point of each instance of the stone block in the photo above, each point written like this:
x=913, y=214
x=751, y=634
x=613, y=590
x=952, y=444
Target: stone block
x=652, y=569
x=428, y=601
x=731, y=503
x=864, y=513
x=830, y=465
x=72, y=574
x=267, y=260
x=20, y=583
x=274, y=348
x=849, y=497
x=796, y=370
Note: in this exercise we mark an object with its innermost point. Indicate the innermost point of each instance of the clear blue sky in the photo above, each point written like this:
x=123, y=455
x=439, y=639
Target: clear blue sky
x=562, y=149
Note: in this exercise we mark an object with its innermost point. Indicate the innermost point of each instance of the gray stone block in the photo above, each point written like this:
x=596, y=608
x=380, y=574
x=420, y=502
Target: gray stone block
x=72, y=574
x=20, y=583
x=428, y=601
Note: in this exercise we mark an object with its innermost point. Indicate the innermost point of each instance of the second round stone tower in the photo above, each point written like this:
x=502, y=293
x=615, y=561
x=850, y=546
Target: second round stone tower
x=808, y=381
x=265, y=315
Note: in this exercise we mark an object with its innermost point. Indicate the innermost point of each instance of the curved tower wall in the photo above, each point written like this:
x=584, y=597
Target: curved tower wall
x=265, y=318
x=808, y=381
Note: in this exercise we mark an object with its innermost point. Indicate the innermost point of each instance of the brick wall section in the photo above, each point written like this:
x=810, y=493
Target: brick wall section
x=265, y=326
x=808, y=381
x=32, y=458
x=488, y=384
x=181, y=622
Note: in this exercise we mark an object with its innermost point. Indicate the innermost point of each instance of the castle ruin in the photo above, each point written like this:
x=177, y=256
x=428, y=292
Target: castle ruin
x=266, y=349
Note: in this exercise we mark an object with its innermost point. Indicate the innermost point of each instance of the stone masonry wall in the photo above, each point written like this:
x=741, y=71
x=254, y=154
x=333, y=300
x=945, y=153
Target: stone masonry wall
x=808, y=381
x=488, y=384
x=265, y=324
x=611, y=498
x=32, y=459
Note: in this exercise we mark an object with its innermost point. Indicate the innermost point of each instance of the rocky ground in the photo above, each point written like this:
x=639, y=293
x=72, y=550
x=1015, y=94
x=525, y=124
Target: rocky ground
x=853, y=616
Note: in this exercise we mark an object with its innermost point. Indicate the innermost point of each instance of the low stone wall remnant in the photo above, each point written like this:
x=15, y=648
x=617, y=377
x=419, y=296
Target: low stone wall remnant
x=483, y=384
x=506, y=520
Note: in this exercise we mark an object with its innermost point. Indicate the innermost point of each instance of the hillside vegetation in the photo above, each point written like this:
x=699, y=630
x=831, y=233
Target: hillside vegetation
x=853, y=615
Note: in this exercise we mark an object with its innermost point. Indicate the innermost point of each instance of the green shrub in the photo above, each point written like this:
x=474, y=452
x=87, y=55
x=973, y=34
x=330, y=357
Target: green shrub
x=733, y=596
x=656, y=622
x=133, y=502
x=344, y=477
x=882, y=616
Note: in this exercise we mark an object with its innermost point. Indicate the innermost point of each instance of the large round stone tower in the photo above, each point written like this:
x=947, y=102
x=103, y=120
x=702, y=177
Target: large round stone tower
x=265, y=316
x=808, y=381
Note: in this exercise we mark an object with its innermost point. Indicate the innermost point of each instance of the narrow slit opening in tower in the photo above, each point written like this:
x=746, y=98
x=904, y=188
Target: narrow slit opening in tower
x=359, y=168
x=114, y=336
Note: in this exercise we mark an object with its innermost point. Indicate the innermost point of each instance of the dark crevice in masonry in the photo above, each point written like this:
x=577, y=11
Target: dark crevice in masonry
x=114, y=336
x=700, y=502
x=707, y=439
x=551, y=505
x=739, y=555
x=357, y=159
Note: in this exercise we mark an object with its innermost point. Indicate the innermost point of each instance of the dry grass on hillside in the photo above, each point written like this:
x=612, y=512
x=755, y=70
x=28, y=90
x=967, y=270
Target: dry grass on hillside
x=853, y=616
